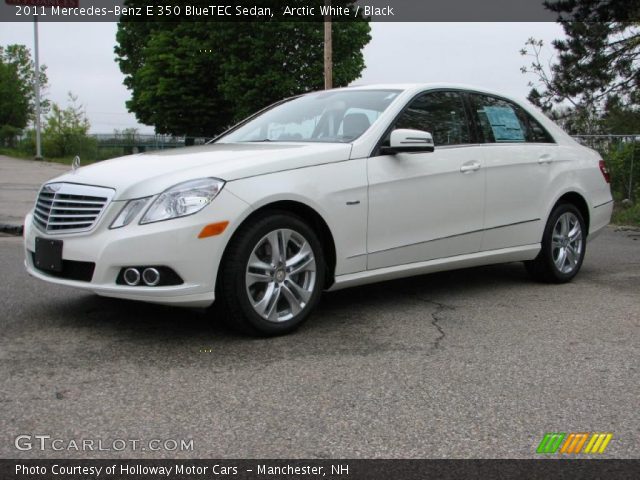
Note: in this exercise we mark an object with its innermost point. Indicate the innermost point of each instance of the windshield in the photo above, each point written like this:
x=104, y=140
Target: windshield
x=332, y=116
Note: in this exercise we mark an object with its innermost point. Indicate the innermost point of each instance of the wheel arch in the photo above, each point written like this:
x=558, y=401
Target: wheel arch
x=307, y=214
x=579, y=202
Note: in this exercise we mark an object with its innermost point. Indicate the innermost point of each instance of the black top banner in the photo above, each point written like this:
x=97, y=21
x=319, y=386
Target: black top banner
x=316, y=10
x=318, y=469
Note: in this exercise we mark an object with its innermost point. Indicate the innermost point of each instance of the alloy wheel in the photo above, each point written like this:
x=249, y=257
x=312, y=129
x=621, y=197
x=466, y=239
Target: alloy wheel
x=567, y=242
x=281, y=275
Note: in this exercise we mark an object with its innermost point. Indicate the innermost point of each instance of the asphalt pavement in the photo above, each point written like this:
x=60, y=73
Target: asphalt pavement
x=477, y=363
x=20, y=181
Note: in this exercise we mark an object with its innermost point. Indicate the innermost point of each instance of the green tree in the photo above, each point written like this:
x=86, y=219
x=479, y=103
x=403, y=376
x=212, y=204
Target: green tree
x=14, y=105
x=600, y=55
x=197, y=78
x=19, y=56
x=596, y=70
x=174, y=86
x=66, y=131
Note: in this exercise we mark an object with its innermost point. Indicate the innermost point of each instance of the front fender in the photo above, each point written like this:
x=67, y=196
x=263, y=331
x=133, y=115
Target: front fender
x=336, y=191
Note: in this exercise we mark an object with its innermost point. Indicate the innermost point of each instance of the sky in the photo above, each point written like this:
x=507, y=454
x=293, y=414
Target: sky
x=80, y=59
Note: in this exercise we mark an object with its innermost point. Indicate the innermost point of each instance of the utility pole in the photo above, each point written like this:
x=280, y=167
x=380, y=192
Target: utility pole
x=328, y=51
x=38, y=7
x=37, y=88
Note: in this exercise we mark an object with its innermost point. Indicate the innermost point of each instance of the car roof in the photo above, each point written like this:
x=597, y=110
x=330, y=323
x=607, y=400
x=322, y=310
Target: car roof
x=418, y=87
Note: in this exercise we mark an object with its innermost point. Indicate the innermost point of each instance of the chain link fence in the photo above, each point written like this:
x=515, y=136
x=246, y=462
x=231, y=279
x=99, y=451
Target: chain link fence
x=111, y=145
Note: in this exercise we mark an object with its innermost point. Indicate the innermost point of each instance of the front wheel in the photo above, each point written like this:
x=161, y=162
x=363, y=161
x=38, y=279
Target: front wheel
x=563, y=246
x=272, y=275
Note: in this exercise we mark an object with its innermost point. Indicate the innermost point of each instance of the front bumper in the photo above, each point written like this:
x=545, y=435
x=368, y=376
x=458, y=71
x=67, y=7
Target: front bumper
x=172, y=243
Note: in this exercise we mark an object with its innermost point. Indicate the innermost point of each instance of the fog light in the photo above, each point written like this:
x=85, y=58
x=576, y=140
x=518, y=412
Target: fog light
x=151, y=276
x=131, y=276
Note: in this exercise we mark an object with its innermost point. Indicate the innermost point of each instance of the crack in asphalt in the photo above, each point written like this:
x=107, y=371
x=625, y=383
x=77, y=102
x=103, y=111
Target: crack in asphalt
x=435, y=322
x=436, y=318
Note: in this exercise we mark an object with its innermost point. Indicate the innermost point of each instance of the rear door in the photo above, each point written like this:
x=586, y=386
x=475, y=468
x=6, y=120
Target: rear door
x=517, y=156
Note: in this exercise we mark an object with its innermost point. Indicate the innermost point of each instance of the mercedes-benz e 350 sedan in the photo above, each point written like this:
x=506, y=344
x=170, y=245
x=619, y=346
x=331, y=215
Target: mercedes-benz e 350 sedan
x=325, y=191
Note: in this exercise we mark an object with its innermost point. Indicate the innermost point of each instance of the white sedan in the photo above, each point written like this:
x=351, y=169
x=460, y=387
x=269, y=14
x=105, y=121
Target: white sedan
x=325, y=191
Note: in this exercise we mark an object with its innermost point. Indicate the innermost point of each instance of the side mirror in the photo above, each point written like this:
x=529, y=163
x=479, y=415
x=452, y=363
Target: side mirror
x=406, y=141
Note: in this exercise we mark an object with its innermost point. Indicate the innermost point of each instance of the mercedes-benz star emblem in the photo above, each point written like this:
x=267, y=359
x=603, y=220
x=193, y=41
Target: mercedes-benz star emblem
x=76, y=163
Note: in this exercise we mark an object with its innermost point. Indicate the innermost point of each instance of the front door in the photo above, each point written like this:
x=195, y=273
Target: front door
x=424, y=206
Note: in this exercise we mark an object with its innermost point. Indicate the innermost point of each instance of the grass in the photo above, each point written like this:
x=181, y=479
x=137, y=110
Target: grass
x=15, y=153
x=627, y=215
x=11, y=152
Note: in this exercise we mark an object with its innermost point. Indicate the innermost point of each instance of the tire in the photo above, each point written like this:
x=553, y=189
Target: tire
x=265, y=293
x=563, y=246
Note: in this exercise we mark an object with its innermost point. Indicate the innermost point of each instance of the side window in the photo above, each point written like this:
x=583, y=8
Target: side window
x=440, y=113
x=538, y=133
x=501, y=121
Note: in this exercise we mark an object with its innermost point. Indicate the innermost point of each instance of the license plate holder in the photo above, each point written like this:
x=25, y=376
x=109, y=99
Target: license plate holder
x=48, y=254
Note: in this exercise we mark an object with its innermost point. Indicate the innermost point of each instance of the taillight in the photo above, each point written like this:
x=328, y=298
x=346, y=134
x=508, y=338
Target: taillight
x=605, y=171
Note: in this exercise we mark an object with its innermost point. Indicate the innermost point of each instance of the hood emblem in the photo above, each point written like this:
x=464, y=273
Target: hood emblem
x=52, y=187
x=76, y=163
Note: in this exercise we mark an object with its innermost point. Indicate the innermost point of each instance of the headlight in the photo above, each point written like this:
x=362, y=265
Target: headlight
x=129, y=211
x=183, y=199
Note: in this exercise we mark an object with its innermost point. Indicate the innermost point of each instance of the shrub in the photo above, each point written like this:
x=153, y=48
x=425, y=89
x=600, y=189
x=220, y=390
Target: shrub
x=625, y=182
x=66, y=132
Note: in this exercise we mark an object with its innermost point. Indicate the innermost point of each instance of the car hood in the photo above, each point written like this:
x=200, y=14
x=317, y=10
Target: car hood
x=141, y=175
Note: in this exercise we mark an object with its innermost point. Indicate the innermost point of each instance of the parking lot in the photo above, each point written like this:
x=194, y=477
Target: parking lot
x=472, y=363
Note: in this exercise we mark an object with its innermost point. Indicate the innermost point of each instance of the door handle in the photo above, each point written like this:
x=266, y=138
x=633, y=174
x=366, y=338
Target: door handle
x=470, y=166
x=546, y=158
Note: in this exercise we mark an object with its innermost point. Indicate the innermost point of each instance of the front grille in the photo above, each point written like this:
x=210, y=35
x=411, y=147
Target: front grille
x=69, y=207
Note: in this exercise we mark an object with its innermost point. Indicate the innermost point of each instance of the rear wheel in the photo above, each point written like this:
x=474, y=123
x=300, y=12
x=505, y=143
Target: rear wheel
x=272, y=275
x=563, y=246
